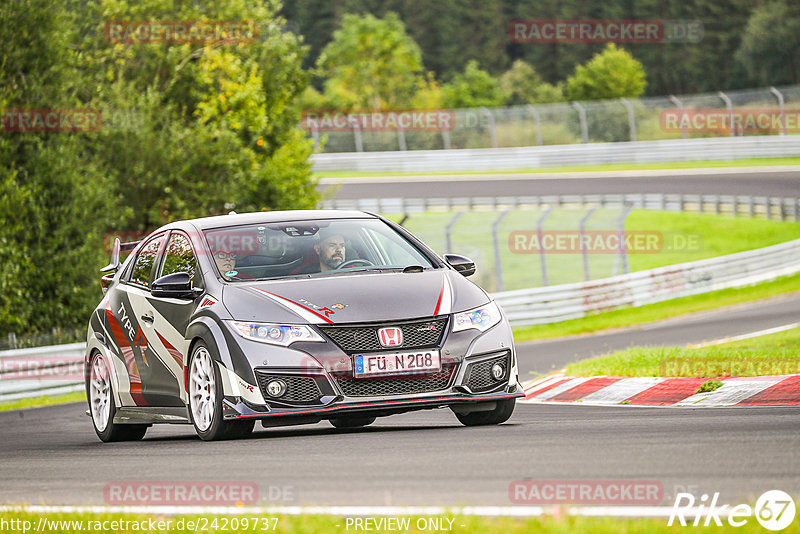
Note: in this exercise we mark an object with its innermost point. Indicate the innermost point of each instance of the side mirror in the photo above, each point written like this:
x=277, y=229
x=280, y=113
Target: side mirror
x=175, y=285
x=462, y=264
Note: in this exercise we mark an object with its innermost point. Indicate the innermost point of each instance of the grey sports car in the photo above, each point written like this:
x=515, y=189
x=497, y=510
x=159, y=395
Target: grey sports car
x=287, y=318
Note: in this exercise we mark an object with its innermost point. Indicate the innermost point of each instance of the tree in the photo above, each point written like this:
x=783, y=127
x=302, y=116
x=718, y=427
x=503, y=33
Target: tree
x=472, y=88
x=187, y=130
x=770, y=48
x=614, y=73
x=522, y=85
x=371, y=63
x=54, y=201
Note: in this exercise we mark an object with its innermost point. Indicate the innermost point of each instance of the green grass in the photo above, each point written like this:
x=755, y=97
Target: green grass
x=659, y=310
x=686, y=237
x=752, y=162
x=774, y=354
x=322, y=524
x=43, y=401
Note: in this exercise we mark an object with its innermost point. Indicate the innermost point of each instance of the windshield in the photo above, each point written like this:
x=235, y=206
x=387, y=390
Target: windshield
x=310, y=248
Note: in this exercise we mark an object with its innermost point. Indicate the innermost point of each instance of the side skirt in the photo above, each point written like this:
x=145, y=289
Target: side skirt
x=141, y=415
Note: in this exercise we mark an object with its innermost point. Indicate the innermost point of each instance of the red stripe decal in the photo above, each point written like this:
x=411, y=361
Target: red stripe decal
x=439, y=300
x=296, y=304
x=175, y=353
x=130, y=360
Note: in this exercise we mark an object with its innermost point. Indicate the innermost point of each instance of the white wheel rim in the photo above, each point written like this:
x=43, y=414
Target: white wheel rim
x=202, y=390
x=100, y=394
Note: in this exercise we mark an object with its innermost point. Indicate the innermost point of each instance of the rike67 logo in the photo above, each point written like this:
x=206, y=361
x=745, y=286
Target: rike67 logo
x=774, y=510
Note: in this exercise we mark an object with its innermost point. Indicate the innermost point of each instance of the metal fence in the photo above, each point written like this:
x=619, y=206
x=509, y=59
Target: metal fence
x=507, y=237
x=572, y=301
x=532, y=157
x=49, y=370
x=639, y=119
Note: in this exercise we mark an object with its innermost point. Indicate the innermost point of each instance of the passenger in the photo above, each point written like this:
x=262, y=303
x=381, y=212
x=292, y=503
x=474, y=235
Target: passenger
x=226, y=263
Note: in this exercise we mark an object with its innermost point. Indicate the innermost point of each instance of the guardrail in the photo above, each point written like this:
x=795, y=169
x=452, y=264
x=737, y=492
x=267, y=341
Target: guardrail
x=41, y=371
x=530, y=157
x=59, y=369
x=778, y=208
x=572, y=301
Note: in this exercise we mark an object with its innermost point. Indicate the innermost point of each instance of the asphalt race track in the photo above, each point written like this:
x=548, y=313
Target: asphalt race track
x=755, y=181
x=51, y=455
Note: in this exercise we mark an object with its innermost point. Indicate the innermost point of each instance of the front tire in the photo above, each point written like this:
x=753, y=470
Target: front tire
x=102, y=407
x=205, y=399
x=500, y=414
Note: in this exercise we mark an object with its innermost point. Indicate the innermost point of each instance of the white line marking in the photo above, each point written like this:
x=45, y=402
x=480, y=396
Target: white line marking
x=722, y=340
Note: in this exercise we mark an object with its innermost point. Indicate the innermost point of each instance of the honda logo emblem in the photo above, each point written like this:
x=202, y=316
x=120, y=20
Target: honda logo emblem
x=390, y=337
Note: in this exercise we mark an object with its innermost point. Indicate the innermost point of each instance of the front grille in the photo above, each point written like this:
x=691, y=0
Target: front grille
x=396, y=385
x=299, y=389
x=362, y=338
x=479, y=375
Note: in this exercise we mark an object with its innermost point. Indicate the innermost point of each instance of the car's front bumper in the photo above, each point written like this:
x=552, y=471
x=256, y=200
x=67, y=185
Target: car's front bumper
x=235, y=408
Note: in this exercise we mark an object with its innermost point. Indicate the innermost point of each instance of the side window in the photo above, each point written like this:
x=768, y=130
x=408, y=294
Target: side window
x=179, y=257
x=145, y=262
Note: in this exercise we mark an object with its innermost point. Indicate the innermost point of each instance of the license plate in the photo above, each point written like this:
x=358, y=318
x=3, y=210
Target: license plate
x=397, y=363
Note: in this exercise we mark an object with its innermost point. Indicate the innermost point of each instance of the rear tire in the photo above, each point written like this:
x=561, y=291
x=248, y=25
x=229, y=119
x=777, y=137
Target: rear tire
x=499, y=415
x=102, y=407
x=352, y=421
x=205, y=399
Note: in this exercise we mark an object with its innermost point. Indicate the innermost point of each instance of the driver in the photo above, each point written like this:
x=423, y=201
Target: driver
x=331, y=251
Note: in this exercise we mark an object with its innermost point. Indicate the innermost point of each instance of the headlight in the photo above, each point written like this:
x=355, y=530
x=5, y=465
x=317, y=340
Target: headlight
x=275, y=334
x=481, y=318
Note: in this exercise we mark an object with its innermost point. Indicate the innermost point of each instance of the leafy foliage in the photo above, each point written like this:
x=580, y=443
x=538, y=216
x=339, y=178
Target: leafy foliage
x=188, y=130
x=612, y=74
x=371, y=63
x=472, y=88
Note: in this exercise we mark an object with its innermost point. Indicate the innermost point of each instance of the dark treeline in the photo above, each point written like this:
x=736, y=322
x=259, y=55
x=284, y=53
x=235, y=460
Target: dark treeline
x=746, y=43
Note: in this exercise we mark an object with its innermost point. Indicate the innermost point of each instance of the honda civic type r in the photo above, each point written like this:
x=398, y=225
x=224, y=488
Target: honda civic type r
x=288, y=318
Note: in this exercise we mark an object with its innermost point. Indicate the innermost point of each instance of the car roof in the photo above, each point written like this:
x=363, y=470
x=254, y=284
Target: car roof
x=237, y=219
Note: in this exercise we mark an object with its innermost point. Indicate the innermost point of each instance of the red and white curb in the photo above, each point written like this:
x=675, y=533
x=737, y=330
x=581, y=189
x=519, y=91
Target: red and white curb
x=780, y=390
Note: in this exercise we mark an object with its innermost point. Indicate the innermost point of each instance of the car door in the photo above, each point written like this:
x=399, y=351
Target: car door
x=151, y=381
x=171, y=316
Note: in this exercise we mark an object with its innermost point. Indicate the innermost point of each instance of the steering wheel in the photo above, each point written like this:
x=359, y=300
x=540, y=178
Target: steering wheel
x=353, y=263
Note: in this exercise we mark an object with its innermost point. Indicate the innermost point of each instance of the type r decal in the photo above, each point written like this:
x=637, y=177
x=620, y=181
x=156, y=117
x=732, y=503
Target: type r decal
x=305, y=312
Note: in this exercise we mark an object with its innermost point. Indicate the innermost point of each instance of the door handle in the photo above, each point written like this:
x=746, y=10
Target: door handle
x=148, y=318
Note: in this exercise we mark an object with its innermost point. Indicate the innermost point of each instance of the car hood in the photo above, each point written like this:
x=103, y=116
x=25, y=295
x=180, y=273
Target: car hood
x=353, y=298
